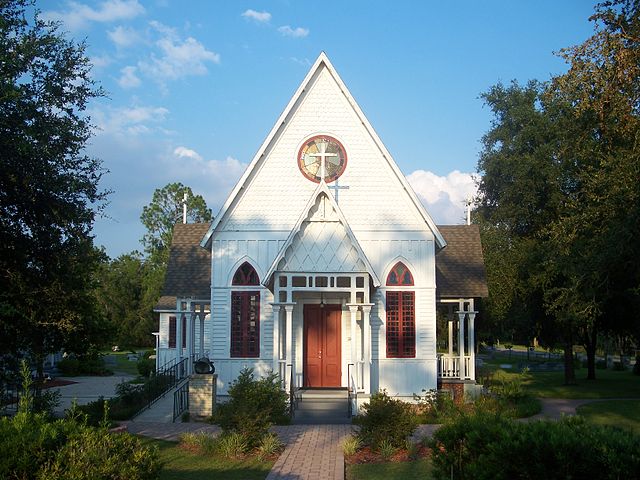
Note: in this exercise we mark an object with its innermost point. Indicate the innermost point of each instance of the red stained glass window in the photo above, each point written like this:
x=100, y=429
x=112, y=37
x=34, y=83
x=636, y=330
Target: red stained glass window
x=172, y=332
x=245, y=324
x=401, y=325
x=399, y=276
x=245, y=275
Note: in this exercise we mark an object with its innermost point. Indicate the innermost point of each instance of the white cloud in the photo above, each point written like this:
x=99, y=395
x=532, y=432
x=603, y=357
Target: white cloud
x=132, y=121
x=123, y=37
x=184, y=152
x=79, y=15
x=129, y=79
x=305, y=62
x=177, y=58
x=100, y=61
x=297, y=32
x=444, y=197
x=260, y=17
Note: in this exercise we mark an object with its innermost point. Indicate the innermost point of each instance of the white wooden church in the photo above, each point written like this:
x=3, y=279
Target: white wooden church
x=323, y=265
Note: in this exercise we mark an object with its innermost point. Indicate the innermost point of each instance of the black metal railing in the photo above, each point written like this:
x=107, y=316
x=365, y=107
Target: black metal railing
x=165, y=379
x=352, y=392
x=181, y=400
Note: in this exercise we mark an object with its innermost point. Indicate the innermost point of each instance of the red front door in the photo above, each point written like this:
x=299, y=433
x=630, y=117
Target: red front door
x=322, y=346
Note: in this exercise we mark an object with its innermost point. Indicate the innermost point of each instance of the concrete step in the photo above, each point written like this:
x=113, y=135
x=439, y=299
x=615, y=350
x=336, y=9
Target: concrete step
x=323, y=393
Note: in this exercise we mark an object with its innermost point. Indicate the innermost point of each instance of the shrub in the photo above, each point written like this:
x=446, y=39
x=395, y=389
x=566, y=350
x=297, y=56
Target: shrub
x=95, y=453
x=636, y=367
x=69, y=367
x=253, y=406
x=269, y=445
x=618, y=366
x=232, y=444
x=91, y=364
x=146, y=367
x=601, y=364
x=385, y=418
x=351, y=445
x=436, y=405
x=487, y=446
x=199, y=442
x=387, y=449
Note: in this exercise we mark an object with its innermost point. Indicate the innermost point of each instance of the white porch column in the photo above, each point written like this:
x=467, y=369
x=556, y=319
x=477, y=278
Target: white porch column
x=189, y=338
x=451, y=338
x=179, y=332
x=353, y=309
x=201, y=317
x=277, y=354
x=461, y=315
x=472, y=345
x=289, y=332
x=366, y=350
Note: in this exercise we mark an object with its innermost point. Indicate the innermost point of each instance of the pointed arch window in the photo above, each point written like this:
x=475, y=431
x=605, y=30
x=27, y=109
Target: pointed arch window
x=245, y=314
x=245, y=275
x=401, y=314
x=399, y=275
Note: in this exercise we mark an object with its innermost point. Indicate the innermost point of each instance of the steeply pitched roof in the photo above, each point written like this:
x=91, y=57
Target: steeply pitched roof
x=322, y=189
x=460, y=269
x=321, y=62
x=189, y=268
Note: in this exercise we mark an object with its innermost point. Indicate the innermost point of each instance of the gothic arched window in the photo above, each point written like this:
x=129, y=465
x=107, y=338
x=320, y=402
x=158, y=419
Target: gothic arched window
x=245, y=314
x=401, y=314
x=399, y=276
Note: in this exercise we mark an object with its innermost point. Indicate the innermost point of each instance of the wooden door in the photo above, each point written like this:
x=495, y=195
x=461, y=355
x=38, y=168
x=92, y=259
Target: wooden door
x=322, y=346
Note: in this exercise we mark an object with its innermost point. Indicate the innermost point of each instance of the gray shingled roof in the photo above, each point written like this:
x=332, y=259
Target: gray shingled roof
x=189, y=268
x=460, y=269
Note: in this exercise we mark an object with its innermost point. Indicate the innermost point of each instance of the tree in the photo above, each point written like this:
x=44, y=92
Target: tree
x=560, y=185
x=49, y=191
x=164, y=211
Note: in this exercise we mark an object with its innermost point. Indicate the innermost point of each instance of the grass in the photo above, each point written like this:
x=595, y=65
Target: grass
x=624, y=414
x=182, y=465
x=608, y=384
x=417, y=470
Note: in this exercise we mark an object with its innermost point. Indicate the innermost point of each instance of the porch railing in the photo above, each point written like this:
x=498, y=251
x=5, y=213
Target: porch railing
x=165, y=379
x=449, y=367
x=293, y=393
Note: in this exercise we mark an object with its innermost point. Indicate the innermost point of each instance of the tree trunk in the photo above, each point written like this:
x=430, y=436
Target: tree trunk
x=590, y=346
x=569, y=372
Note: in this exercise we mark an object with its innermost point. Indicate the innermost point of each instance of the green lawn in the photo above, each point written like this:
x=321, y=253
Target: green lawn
x=418, y=470
x=624, y=414
x=182, y=465
x=608, y=384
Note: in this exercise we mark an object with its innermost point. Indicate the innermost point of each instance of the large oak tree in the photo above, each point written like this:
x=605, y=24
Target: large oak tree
x=49, y=190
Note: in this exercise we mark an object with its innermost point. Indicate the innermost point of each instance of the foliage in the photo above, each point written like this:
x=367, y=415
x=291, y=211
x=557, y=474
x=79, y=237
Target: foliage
x=94, y=453
x=49, y=188
x=385, y=418
x=351, y=445
x=269, y=445
x=387, y=449
x=253, y=406
x=199, y=442
x=233, y=444
x=164, y=211
x=488, y=446
x=435, y=405
x=146, y=366
x=90, y=364
x=34, y=447
x=636, y=367
x=559, y=201
x=623, y=414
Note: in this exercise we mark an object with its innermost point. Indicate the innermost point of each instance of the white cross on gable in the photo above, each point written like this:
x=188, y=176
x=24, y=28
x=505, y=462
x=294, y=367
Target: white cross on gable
x=336, y=188
x=322, y=155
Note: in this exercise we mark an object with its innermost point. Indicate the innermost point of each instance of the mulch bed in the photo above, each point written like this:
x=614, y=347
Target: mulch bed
x=366, y=455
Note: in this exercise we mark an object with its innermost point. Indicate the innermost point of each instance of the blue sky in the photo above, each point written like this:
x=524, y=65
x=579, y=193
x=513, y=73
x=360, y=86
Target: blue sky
x=195, y=86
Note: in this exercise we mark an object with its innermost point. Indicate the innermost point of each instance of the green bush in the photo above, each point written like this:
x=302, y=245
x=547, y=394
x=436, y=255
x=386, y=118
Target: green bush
x=69, y=367
x=146, y=367
x=488, y=446
x=618, y=367
x=636, y=367
x=90, y=364
x=385, y=418
x=254, y=405
x=96, y=454
x=234, y=444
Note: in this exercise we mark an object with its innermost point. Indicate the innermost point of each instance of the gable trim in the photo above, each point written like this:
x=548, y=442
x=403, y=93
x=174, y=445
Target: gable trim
x=322, y=188
x=322, y=59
